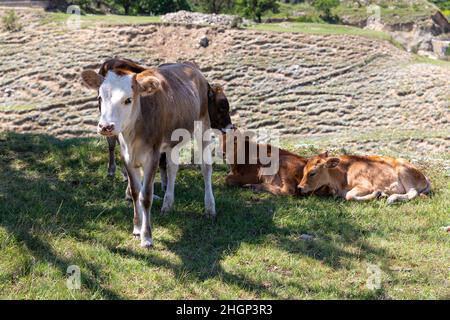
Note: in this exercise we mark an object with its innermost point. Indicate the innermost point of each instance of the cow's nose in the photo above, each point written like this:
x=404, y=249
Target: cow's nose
x=106, y=127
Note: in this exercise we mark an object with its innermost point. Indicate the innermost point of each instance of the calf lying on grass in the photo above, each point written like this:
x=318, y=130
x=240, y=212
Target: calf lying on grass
x=364, y=178
x=250, y=173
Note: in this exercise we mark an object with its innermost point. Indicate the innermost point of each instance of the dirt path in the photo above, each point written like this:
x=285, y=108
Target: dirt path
x=303, y=85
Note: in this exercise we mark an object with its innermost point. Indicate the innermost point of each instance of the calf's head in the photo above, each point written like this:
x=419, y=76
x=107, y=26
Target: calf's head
x=219, y=109
x=316, y=172
x=119, y=93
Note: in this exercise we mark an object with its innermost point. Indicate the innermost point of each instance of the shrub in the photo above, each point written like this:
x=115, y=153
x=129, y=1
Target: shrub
x=256, y=8
x=447, y=52
x=325, y=6
x=11, y=21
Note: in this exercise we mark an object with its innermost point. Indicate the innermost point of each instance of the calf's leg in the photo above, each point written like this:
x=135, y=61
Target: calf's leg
x=206, y=166
x=112, y=156
x=172, y=169
x=362, y=194
x=413, y=181
x=163, y=170
x=275, y=190
x=146, y=198
x=134, y=188
x=411, y=194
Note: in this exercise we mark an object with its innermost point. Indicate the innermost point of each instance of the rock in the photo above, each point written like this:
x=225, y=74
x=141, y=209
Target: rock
x=307, y=237
x=203, y=42
x=196, y=18
x=440, y=47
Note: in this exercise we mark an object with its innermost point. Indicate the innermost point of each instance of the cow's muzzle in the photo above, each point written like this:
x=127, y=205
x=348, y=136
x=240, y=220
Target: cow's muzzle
x=106, y=129
x=228, y=128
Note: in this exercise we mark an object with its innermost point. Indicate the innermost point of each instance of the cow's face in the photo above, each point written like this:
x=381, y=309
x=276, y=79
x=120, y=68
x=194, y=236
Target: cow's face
x=119, y=94
x=219, y=109
x=316, y=172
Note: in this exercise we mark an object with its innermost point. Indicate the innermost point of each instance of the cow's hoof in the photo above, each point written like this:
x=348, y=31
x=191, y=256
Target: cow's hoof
x=136, y=232
x=147, y=243
x=165, y=210
x=156, y=197
x=391, y=200
x=252, y=187
x=211, y=213
x=110, y=174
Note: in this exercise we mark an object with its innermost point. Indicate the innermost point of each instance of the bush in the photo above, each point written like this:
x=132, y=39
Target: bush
x=447, y=52
x=11, y=21
x=442, y=4
x=325, y=6
x=157, y=7
x=255, y=9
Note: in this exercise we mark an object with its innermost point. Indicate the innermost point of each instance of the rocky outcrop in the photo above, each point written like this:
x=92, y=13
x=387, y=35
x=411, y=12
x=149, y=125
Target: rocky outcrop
x=196, y=18
x=416, y=36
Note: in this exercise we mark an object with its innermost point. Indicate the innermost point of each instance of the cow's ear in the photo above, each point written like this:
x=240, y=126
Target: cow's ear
x=217, y=88
x=324, y=154
x=147, y=83
x=332, y=163
x=92, y=79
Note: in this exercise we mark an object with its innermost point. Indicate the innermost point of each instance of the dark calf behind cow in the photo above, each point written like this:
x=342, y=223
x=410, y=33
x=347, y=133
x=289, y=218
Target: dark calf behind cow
x=250, y=173
x=143, y=109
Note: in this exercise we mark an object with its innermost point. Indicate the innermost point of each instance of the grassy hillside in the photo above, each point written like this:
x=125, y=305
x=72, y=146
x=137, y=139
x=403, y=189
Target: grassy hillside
x=349, y=12
x=57, y=209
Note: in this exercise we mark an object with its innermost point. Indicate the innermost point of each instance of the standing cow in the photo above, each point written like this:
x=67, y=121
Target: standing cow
x=143, y=109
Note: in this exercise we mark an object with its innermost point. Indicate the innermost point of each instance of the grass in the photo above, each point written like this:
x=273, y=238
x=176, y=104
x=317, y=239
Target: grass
x=391, y=12
x=57, y=209
x=17, y=107
x=92, y=20
x=437, y=62
x=321, y=29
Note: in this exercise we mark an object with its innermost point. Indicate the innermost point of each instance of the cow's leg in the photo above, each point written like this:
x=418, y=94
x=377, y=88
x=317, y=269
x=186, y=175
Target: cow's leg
x=362, y=194
x=412, y=182
x=163, y=171
x=112, y=156
x=146, y=198
x=206, y=166
x=275, y=190
x=172, y=169
x=134, y=187
x=411, y=194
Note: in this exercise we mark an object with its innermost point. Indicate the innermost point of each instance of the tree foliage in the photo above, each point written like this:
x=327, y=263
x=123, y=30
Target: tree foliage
x=325, y=6
x=255, y=9
x=128, y=7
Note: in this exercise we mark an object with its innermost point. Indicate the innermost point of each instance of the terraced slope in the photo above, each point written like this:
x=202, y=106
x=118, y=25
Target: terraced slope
x=335, y=90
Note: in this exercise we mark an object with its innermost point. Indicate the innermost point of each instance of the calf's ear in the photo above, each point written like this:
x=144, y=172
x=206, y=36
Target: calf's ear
x=91, y=79
x=324, y=154
x=217, y=88
x=332, y=162
x=147, y=84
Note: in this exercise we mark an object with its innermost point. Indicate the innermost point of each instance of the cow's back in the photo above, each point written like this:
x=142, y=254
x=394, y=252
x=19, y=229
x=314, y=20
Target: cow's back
x=182, y=100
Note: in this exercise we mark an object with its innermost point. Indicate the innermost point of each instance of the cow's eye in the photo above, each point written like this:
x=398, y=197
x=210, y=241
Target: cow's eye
x=128, y=101
x=312, y=174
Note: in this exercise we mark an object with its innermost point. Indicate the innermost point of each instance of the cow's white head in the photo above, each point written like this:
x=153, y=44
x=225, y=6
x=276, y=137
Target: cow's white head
x=119, y=95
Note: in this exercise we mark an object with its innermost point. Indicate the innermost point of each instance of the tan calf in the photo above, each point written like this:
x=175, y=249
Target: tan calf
x=364, y=178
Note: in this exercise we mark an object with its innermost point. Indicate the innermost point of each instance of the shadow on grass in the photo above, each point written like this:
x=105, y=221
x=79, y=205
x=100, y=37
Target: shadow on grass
x=40, y=175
